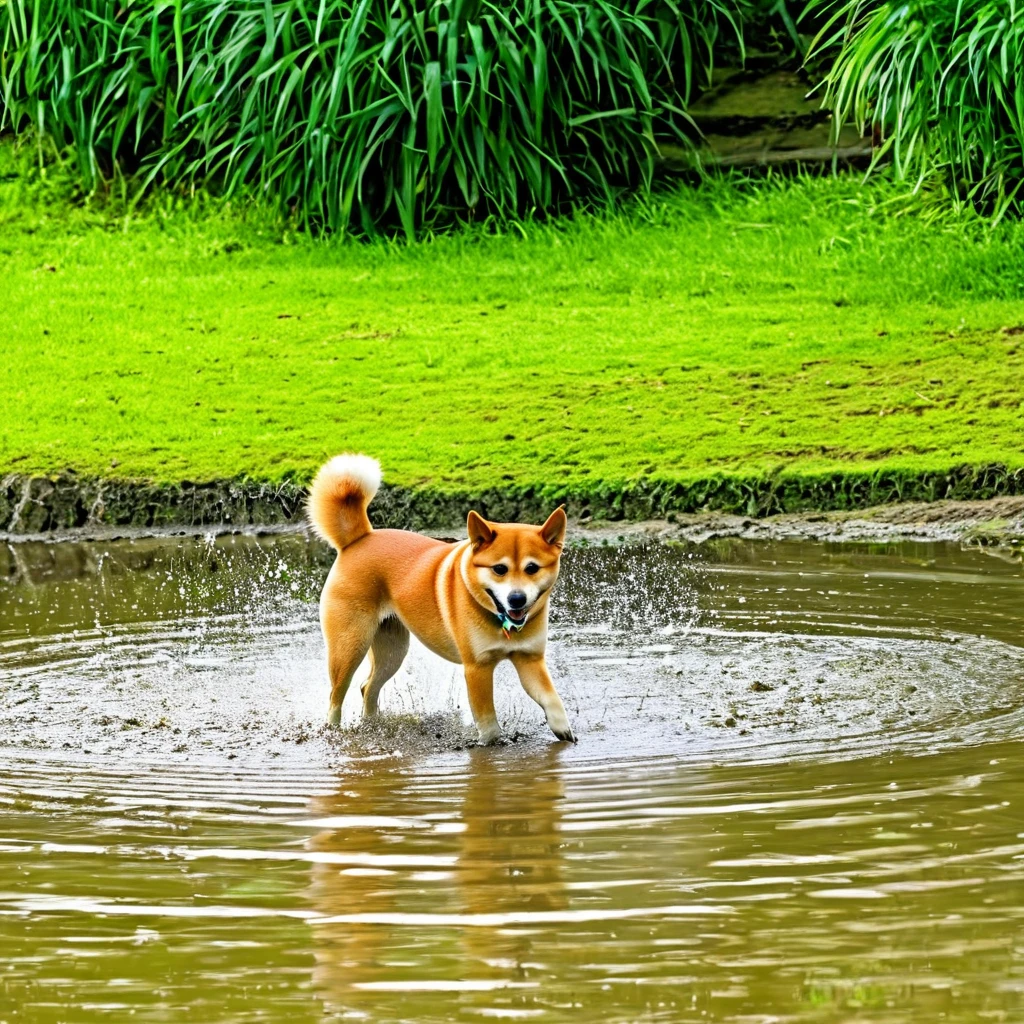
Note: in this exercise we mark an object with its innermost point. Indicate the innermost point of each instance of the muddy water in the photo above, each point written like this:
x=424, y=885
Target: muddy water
x=796, y=796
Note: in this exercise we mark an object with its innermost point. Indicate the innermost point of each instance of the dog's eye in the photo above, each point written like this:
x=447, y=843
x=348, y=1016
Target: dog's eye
x=499, y=570
x=532, y=568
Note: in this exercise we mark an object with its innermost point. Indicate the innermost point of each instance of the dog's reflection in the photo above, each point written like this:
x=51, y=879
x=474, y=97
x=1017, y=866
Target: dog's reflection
x=419, y=874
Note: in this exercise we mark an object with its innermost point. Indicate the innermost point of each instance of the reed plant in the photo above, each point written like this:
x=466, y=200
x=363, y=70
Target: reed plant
x=940, y=82
x=372, y=114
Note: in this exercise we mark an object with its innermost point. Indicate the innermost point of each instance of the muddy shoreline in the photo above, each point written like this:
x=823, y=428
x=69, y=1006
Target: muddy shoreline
x=70, y=502
x=73, y=507
x=997, y=524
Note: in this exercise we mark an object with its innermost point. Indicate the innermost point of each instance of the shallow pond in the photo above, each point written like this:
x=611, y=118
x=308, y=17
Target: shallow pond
x=796, y=795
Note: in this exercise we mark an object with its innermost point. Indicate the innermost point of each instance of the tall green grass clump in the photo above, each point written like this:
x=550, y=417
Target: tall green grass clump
x=366, y=114
x=942, y=81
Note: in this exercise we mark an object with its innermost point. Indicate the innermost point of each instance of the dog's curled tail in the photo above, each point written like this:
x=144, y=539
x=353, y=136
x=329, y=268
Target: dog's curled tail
x=338, y=498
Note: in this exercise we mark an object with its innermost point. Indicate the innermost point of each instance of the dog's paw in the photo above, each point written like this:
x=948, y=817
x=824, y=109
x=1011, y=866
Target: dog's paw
x=558, y=723
x=488, y=735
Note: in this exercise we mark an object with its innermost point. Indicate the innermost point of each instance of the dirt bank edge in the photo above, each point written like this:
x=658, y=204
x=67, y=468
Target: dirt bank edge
x=987, y=501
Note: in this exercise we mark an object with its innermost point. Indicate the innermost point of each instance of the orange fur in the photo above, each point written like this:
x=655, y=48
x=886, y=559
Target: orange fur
x=386, y=584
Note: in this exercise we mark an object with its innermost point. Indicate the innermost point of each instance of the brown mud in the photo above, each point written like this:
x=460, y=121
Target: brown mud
x=980, y=505
x=75, y=508
x=997, y=524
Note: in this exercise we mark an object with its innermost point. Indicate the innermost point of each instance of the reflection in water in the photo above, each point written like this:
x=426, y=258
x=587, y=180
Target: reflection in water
x=518, y=884
x=482, y=847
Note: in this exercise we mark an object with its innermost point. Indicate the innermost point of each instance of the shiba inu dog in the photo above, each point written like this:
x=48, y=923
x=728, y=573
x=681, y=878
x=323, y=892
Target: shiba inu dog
x=474, y=602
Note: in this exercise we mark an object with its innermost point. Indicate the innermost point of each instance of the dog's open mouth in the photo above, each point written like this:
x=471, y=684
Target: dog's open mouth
x=515, y=616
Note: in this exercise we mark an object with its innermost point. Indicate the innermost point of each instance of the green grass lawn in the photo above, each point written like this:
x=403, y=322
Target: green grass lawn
x=800, y=327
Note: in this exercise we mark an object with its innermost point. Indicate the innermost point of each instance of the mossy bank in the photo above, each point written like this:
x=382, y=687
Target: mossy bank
x=35, y=505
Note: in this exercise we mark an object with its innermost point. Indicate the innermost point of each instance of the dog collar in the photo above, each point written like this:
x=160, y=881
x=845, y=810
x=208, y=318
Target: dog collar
x=508, y=627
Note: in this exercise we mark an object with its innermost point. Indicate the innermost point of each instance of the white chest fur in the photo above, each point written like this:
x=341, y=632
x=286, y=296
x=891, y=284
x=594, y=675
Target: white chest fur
x=490, y=643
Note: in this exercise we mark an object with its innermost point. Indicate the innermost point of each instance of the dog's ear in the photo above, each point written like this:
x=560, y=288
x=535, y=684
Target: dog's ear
x=480, y=532
x=553, y=531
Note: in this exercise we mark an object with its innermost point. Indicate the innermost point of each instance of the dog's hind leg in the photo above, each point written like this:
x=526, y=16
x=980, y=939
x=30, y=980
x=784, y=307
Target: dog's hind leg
x=348, y=635
x=387, y=652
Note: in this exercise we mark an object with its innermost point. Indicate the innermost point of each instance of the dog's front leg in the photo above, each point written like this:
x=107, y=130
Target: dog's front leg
x=533, y=674
x=480, y=686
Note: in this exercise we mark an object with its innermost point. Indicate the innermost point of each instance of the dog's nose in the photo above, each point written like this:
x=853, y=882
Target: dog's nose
x=516, y=600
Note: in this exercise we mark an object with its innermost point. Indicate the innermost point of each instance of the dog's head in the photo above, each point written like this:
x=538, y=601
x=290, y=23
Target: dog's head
x=513, y=566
